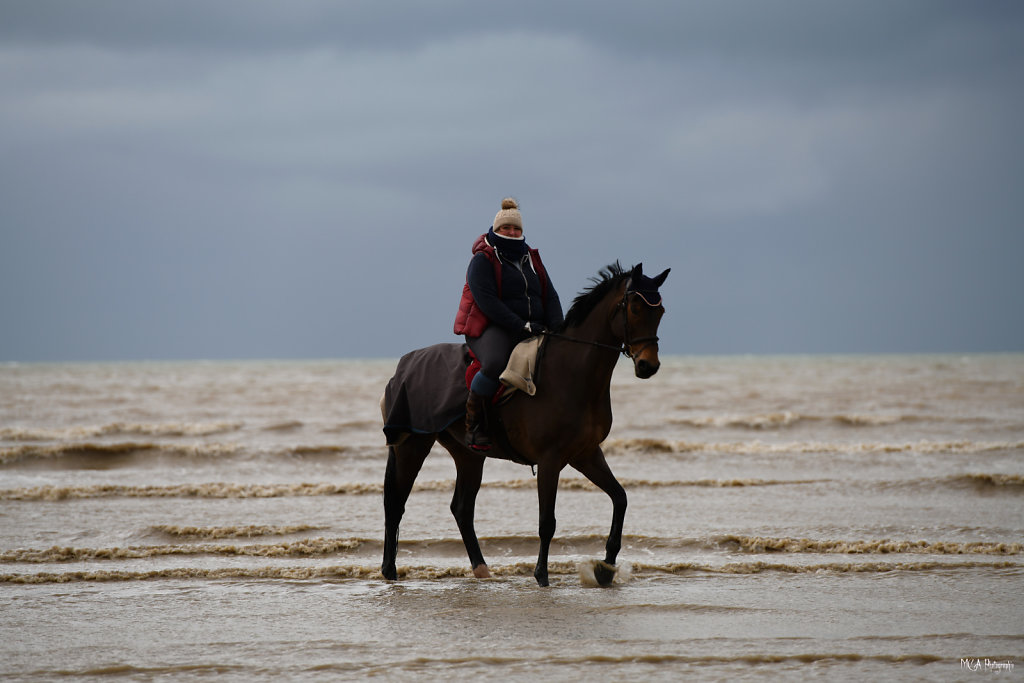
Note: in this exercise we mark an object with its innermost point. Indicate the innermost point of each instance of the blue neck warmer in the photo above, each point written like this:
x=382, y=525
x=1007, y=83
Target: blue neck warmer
x=508, y=248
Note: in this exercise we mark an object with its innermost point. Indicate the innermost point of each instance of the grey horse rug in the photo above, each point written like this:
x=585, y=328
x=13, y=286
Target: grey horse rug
x=429, y=389
x=427, y=393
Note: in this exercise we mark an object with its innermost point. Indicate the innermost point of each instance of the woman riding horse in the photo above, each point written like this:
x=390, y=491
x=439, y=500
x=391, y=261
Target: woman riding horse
x=507, y=297
x=562, y=425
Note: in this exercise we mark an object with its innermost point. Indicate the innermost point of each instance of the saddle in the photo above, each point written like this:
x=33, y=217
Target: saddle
x=519, y=373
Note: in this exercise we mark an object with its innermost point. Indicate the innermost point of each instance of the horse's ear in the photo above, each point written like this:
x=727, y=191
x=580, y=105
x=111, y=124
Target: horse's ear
x=637, y=271
x=660, y=280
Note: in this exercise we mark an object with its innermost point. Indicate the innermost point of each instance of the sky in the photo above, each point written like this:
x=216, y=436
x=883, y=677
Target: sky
x=237, y=179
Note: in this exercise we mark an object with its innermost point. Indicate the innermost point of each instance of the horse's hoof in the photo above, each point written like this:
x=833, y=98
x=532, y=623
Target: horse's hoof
x=604, y=573
x=390, y=573
x=481, y=571
x=542, y=578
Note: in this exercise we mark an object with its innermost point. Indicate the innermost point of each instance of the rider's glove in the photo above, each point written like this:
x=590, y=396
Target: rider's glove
x=535, y=328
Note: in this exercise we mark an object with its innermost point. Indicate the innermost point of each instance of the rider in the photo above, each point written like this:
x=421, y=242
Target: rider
x=507, y=298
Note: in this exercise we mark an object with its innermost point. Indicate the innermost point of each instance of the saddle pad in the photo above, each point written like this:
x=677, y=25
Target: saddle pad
x=522, y=365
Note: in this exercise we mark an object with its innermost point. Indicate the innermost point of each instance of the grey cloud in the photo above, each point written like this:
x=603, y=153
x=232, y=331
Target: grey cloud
x=222, y=179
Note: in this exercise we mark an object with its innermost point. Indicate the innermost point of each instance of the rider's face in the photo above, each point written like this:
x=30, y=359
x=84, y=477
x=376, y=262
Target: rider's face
x=509, y=231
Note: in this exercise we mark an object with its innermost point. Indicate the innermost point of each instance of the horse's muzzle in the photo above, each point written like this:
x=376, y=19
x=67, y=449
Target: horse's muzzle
x=645, y=368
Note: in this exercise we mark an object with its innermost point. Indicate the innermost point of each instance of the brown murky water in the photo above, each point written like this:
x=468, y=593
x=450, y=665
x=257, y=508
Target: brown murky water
x=849, y=517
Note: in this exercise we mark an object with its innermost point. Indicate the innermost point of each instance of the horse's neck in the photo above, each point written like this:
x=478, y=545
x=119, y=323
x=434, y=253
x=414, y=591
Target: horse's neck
x=592, y=362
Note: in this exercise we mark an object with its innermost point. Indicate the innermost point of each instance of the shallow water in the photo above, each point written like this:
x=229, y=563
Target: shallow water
x=793, y=517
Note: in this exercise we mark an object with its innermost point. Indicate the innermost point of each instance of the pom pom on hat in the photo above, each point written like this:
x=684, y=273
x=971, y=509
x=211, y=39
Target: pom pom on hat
x=509, y=214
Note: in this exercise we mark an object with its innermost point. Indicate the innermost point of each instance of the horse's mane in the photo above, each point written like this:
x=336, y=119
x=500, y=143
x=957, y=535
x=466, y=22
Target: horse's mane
x=606, y=280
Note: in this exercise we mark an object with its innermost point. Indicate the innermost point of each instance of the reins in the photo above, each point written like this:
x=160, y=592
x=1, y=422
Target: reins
x=618, y=349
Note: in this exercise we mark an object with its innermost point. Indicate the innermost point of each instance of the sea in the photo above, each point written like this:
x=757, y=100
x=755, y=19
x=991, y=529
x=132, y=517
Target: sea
x=790, y=518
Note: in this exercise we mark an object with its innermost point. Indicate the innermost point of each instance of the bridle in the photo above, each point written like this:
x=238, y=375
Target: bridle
x=625, y=348
x=627, y=341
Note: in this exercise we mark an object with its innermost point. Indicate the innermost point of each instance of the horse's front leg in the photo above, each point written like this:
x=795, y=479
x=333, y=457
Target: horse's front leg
x=547, y=490
x=595, y=468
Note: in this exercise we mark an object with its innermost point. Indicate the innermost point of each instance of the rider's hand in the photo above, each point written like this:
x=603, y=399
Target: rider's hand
x=535, y=328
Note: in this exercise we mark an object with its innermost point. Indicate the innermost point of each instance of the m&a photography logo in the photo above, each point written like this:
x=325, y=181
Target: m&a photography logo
x=985, y=665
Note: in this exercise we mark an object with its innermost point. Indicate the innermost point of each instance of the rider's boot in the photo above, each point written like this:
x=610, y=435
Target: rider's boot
x=476, y=431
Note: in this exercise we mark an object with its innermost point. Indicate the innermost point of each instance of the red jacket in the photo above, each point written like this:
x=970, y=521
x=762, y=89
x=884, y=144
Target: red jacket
x=470, y=320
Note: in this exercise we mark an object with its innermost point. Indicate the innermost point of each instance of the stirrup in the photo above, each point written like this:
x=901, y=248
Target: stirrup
x=477, y=439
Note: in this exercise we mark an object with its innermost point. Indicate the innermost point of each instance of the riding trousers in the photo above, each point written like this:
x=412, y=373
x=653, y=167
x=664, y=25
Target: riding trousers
x=492, y=349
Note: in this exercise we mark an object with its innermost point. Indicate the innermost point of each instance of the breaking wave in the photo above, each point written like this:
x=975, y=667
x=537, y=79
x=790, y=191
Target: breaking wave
x=785, y=419
x=107, y=454
x=210, y=490
x=229, y=490
x=506, y=545
x=983, y=481
x=286, y=573
x=249, y=531
x=113, y=451
x=517, y=569
x=641, y=445
x=351, y=425
x=988, y=480
x=757, y=544
x=575, y=483
x=828, y=567
x=318, y=450
x=287, y=426
x=303, y=548
x=159, y=429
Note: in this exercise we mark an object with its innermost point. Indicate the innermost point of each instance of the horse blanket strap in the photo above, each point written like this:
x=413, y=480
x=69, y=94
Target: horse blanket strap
x=427, y=392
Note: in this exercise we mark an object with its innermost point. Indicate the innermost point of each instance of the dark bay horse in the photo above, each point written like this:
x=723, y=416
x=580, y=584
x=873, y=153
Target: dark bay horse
x=564, y=423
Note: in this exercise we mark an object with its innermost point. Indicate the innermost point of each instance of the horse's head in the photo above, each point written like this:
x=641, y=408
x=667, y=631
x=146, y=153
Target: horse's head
x=642, y=310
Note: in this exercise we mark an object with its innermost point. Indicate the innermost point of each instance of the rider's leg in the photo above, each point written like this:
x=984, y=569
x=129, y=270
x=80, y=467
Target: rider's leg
x=492, y=349
x=480, y=392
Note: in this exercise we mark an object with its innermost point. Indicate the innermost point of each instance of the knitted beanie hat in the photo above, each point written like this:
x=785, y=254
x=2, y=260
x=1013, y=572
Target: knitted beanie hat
x=509, y=214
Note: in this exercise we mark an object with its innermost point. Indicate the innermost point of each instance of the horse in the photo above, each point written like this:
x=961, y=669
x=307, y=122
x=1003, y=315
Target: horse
x=564, y=423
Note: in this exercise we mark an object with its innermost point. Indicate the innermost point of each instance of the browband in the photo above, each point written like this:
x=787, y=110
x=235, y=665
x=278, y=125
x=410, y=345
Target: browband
x=647, y=301
x=646, y=296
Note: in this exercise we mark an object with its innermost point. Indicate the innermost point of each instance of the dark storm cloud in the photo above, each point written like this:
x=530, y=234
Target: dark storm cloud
x=293, y=179
x=799, y=29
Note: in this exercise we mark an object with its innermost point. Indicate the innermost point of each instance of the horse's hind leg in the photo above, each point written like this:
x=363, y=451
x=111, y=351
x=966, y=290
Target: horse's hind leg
x=469, y=468
x=595, y=468
x=404, y=463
